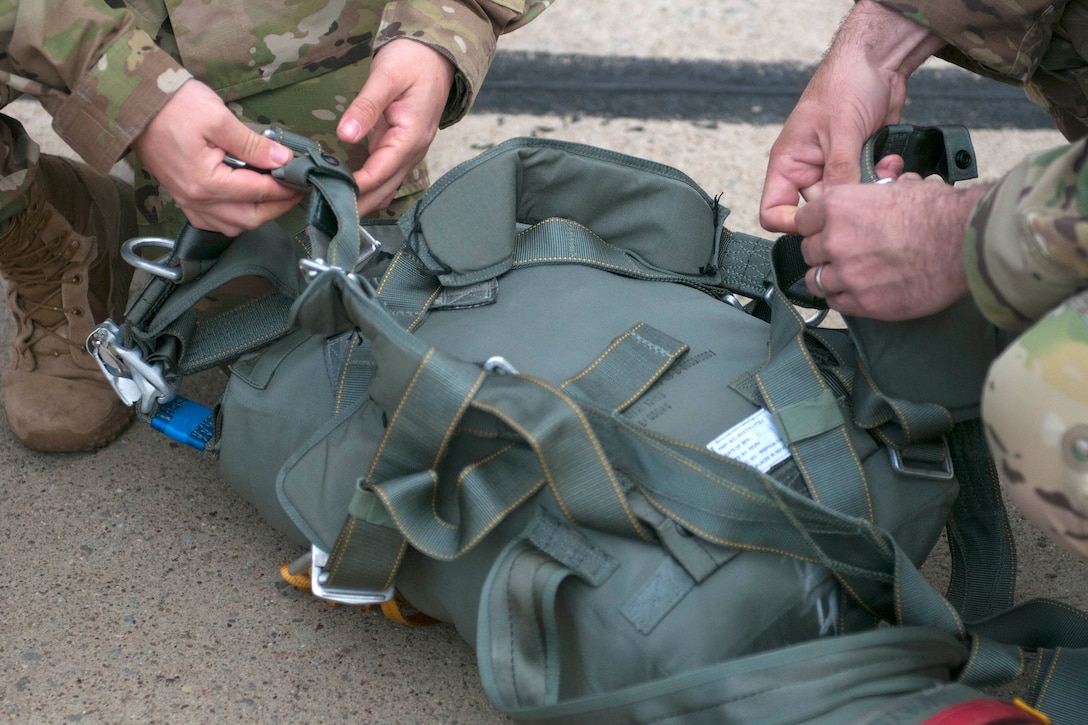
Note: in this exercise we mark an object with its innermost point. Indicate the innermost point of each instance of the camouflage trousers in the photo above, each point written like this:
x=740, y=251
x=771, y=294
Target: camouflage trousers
x=1035, y=407
x=312, y=108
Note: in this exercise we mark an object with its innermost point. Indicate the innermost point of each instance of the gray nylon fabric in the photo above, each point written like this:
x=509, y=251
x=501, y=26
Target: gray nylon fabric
x=583, y=281
x=567, y=517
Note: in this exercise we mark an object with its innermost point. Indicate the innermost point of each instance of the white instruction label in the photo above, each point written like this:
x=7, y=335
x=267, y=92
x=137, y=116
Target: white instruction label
x=753, y=441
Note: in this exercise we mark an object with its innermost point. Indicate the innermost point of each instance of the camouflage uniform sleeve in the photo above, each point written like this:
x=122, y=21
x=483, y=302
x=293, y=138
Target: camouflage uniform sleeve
x=1037, y=44
x=465, y=31
x=1026, y=247
x=997, y=39
x=101, y=78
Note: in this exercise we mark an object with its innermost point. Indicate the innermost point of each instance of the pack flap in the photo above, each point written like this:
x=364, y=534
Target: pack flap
x=901, y=358
x=463, y=228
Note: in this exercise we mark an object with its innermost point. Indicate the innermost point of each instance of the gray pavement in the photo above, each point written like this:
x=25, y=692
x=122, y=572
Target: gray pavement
x=139, y=588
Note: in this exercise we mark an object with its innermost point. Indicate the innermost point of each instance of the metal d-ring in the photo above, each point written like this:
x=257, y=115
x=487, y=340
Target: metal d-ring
x=130, y=252
x=817, y=317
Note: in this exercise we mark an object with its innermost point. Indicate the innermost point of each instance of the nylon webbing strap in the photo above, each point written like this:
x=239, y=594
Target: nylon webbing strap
x=718, y=499
x=746, y=263
x=419, y=431
x=820, y=681
x=798, y=398
x=901, y=423
x=163, y=321
x=562, y=241
x=372, y=567
x=333, y=219
x=728, y=504
x=1059, y=688
x=426, y=417
x=983, y=552
x=210, y=343
x=627, y=368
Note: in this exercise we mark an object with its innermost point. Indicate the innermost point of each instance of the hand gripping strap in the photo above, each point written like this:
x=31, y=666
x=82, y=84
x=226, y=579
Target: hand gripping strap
x=926, y=150
x=333, y=219
x=161, y=319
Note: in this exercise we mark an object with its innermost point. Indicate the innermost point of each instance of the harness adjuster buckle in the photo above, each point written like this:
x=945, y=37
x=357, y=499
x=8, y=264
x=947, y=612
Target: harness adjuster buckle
x=319, y=559
x=940, y=471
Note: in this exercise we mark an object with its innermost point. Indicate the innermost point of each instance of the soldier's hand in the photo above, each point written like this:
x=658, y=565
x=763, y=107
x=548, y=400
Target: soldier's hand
x=400, y=106
x=859, y=87
x=888, y=251
x=184, y=146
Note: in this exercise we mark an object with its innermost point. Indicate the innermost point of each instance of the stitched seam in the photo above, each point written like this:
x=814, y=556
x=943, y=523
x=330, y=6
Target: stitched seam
x=653, y=378
x=467, y=470
x=535, y=444
x=396, y=414
x=343, y=378
x=342, y=548
x=486, y=529
x=605, y=463
x=445, y=444
x=396, y=564
x=602, y=356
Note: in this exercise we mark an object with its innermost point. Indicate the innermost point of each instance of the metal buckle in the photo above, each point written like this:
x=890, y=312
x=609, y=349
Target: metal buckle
x=942, y=472
x=133, y=379
x=499, y=365
x=814, y=321
x=130, y=252
x=313, y=267
x=731, y=300
x=318, y=577
x=365, y=255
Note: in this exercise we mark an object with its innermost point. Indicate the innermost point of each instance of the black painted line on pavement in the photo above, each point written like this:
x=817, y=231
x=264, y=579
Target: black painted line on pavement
x=726, y=91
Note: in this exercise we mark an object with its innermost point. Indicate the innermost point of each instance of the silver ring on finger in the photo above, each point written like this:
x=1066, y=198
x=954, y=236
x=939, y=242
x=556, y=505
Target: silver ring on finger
x=817, y=281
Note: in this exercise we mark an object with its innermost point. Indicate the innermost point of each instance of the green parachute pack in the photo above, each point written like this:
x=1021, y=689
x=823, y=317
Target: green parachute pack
x=579, y=418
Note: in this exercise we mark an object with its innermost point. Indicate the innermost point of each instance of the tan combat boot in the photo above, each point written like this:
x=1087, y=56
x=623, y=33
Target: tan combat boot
x=57, y=258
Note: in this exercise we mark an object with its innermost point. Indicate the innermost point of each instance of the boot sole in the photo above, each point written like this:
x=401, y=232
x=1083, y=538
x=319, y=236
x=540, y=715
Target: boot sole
x=62, y=441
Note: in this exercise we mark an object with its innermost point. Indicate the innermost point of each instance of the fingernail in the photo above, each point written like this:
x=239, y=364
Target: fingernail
x=280, y=154
x=351, y=130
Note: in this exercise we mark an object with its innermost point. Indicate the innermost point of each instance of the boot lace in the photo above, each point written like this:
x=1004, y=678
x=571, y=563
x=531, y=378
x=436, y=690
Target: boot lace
x=35, y=268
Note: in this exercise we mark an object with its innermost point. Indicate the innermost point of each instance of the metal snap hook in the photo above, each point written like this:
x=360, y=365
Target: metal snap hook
x=135, y=381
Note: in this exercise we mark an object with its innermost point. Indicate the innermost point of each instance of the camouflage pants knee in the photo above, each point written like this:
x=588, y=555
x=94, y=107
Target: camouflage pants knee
x=19, y=156
x=1035, y=408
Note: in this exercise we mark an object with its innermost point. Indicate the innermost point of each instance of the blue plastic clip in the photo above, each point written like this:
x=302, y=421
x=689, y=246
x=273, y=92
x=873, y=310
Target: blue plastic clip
x=186, y=422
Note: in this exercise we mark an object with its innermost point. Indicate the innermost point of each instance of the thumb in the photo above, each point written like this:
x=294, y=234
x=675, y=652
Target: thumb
x=843, y=165
x=363, y=112
x=243, y=143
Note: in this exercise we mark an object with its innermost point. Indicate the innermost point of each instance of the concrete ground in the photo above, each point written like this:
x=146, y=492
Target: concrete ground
x=142, y=589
